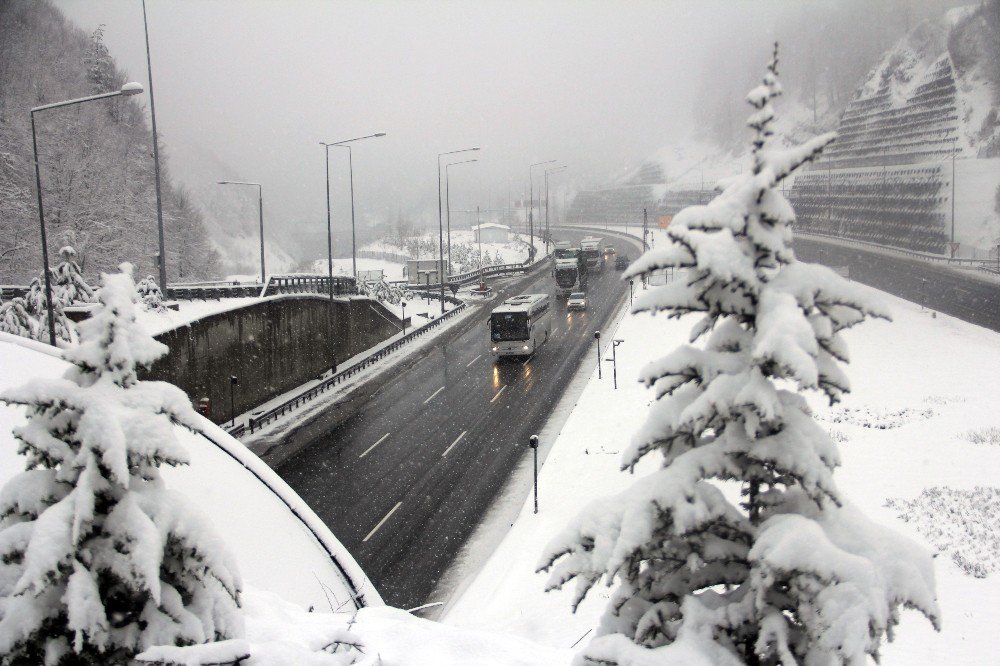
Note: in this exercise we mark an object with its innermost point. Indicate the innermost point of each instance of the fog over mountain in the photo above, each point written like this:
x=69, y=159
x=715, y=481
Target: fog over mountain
x=598, y=86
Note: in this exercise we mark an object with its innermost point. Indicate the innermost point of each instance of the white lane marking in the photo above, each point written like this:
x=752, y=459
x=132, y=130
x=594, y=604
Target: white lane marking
x=457, y=440
x=382, y=522
x=473, y=360
x=433, y=394
x=381, y=439
x=555, y=330
x=502, y=389
x=528, y=360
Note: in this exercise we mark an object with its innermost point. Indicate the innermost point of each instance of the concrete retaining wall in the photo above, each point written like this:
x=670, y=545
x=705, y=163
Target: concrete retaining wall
x=271, y=347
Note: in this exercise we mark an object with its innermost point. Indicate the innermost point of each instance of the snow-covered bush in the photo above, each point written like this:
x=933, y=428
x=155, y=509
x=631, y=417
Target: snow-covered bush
x=150, y=295
x=36, y=305
x=98, y=559
x=15, y=319
x=793, y=573
x=68, y=285
x=961, y=523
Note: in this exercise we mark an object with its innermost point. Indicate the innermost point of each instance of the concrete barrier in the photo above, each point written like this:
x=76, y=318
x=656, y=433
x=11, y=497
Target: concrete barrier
x=270, y=347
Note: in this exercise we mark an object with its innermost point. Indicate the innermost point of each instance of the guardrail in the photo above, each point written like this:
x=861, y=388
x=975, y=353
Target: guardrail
x=308, y=284
x=258, y=421
x=913, y=254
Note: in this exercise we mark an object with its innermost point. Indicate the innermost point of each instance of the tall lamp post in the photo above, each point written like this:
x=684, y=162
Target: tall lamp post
x=260, y=212
x=531, y=207
x=126, y=90
x=156, y=159
x=447, y=203
x=441, y=221
x=547, y=172
x=329, y=231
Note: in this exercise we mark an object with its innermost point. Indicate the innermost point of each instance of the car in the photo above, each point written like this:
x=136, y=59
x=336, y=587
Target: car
x=577, y=301
x=609, y=249
x=621, y=263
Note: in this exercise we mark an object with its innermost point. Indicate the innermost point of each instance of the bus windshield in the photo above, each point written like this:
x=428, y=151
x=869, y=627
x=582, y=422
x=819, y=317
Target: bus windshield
x=509, y=326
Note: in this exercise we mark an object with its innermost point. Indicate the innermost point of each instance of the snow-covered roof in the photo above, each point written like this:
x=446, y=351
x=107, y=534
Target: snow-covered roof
x=490, y=225
x=239, y=494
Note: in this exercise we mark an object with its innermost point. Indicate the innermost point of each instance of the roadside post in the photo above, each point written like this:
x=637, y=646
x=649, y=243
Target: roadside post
x=533, y=444
x=614, y=359
x=597, y=336
x=403, y=305
x=232, y=401
x=631, y=283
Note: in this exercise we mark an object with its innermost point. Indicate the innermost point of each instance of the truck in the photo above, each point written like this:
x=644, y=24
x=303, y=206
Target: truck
x=591, y=248
x=569, y=277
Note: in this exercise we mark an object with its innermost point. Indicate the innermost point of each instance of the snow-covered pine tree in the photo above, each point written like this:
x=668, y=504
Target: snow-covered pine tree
x=15, y=319
x=68, y=285
x=150, y=295
x=98, y=559
x=35, y=301
x=794, y=573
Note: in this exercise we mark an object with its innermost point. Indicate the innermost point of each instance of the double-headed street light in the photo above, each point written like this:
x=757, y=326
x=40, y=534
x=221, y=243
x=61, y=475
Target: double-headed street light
x=329, y=230
x=447, y=203
x=531, y=206
x=260, y=213
x=441, y=222
x=547, y=172
x=126, y=90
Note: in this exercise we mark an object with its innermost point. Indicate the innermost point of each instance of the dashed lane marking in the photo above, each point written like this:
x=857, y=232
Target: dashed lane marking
x=433, y=394
x=382, y=522
x=457, y=440
x=502, y=389
x=381, y=439
x=473, y=360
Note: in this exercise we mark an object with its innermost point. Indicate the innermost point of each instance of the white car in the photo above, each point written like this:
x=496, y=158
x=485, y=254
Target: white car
x=577, y=301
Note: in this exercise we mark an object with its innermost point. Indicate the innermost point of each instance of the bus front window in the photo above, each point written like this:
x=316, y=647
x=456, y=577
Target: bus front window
x=509, y=326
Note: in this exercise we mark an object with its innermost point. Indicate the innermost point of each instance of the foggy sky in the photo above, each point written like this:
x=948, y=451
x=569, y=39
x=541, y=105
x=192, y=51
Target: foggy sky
x=597, y=85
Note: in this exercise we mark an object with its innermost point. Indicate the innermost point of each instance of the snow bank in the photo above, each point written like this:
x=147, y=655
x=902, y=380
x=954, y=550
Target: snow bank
x=917, y=364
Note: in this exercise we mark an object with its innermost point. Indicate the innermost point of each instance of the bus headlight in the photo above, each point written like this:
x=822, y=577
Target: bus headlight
x=525, y=346
x=494, y=349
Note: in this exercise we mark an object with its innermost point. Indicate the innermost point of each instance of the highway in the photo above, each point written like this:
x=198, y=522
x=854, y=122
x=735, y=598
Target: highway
x=407, y=476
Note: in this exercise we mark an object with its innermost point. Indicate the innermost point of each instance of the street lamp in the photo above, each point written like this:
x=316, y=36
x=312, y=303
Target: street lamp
x=329, y=232
x=441, y=221
x=547, y=172
x=126, y=90
x=156, y=158
x=531, y=207
x=447, y=203
x=260, y=211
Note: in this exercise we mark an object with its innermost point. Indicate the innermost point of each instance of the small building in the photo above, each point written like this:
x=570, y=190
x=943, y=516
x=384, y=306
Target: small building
x=491, y=232
x=423, y=271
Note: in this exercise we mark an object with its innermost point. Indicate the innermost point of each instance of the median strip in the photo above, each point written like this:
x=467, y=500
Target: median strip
x=457, y=440
x=381, y=439
x=502, y=388
x=382, y=522
x=433, y=394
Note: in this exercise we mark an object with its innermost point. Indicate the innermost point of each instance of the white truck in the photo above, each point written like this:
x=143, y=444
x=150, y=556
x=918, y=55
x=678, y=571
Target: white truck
x=591, y=247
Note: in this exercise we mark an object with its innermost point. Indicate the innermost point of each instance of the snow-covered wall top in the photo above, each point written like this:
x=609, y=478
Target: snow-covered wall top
x=279, y=543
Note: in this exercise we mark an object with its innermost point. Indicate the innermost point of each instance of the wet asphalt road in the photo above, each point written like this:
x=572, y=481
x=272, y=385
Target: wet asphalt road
x=404, y=480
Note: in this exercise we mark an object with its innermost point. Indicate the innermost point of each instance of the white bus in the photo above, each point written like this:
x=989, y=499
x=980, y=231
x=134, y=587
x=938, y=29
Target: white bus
x=520, y=325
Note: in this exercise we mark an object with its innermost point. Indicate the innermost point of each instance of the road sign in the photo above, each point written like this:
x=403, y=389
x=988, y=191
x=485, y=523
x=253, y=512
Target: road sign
x=954, y=249
x=665, y=221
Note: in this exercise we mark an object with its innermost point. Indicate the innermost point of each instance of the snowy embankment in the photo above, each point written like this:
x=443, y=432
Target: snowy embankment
x=919, y=421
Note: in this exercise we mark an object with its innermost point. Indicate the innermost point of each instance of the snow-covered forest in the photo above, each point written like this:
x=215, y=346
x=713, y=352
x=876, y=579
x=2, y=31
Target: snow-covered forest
x=96, y=160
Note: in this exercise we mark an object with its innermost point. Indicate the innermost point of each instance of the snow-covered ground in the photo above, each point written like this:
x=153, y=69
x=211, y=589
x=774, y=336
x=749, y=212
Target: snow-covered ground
x=923, y=404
